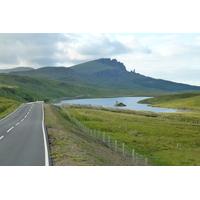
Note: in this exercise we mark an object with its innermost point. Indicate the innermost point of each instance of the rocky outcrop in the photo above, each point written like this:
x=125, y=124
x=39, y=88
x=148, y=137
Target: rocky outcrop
x=113, y=63
x=119, y=104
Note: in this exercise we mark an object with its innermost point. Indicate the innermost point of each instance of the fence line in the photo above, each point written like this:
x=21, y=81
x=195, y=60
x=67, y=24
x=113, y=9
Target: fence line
x=115, y=145
x=145, y=113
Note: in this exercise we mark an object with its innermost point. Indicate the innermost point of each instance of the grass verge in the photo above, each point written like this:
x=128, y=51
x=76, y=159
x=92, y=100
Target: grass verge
x=7, y=106
x=167, y=140
x=71, y=147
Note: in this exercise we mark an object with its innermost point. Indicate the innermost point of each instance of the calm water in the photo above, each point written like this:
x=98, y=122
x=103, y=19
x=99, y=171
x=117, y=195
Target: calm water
x=130, y=102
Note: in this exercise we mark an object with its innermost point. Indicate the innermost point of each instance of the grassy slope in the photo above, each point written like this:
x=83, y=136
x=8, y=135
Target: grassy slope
x=109, y=75
x=90, y=67
x=24, y=89
x=154, y=137
x=83, y=74
x=70, y=146
x=7, y=106
x=15, y=69
x=184, y=101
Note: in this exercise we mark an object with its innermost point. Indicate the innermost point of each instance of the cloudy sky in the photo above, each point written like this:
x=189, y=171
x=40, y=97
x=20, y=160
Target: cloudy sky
x=170, y=56
x=156, y=38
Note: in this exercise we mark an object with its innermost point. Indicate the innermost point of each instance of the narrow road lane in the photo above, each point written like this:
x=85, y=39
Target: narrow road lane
x=23, y=138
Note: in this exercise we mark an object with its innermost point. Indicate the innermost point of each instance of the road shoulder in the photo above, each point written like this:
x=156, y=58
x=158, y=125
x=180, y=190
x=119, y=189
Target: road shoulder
x=71, y=147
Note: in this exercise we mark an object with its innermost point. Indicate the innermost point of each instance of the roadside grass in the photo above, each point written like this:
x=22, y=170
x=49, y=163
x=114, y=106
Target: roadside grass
x=7, y=106
x=164, y=139
x=72, y=147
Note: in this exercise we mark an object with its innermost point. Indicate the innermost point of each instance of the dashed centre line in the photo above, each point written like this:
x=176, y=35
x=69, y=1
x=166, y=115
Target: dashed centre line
x=10, y=129
x=1, y=137
x=17, y=123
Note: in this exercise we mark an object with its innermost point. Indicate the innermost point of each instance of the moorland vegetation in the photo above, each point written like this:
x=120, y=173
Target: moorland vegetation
x=166, y=139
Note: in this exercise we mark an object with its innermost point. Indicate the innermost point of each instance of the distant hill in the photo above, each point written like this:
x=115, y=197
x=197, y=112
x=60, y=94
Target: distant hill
x=183, y=101
x=15, y=69
x=105, y=73
x=25, y=89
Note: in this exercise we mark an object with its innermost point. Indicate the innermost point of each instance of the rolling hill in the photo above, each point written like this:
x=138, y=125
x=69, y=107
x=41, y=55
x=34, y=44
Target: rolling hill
x=110, y=74
x=22, y=88
x=183, y=101
x=15, y=69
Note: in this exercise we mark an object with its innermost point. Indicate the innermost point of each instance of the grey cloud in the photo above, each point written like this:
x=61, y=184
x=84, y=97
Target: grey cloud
x=39, y=49
x=103, y=47
x=15, y=47
x=44, y=61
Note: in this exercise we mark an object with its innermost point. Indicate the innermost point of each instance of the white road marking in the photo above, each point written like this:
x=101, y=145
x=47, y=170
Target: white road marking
x=22, y=120
x=25, y=116
x=45, y=141
x=10, y=129
x=1, y=137
x=17, y=123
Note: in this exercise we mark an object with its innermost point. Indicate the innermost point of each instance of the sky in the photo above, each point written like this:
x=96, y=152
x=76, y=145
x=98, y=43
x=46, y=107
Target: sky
x=169, y=56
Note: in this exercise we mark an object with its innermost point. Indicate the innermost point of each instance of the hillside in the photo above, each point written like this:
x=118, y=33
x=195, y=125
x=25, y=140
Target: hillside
x=24, y=89
x=7, y=106
x=15, y=69
x=183, y=101
x=109, y=74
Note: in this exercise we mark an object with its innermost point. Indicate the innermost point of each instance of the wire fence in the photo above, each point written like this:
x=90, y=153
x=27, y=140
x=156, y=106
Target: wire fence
x=144, y=113
x=115, y=145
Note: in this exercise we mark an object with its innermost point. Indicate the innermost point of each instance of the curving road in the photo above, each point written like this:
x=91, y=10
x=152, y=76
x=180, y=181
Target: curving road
x=23, y=140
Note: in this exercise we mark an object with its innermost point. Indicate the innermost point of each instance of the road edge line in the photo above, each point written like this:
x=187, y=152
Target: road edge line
x=45, y=140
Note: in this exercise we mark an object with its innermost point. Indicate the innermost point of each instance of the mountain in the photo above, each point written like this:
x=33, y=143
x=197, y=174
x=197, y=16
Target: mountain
x=25, y=89
x=15, y=69
x=105, y=73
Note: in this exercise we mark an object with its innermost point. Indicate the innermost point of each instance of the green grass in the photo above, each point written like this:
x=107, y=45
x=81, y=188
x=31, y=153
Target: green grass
x=7, y=106
x=25, y=89
x=91, y=67
x=71, y=146
x=184, y=101
x=163, y=139
x=22, y=88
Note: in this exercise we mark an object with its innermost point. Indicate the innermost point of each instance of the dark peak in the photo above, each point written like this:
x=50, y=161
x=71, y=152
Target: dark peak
x=113, y=63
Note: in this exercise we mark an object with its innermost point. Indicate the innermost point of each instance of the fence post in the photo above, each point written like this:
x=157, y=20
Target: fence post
x=115, y=145
x=109, y=141
x=123, y=149
x=133, y=157
x=146, y=161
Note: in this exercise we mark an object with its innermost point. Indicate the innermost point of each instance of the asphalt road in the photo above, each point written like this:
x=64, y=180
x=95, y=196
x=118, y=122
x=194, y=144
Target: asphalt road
x=23, y=140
